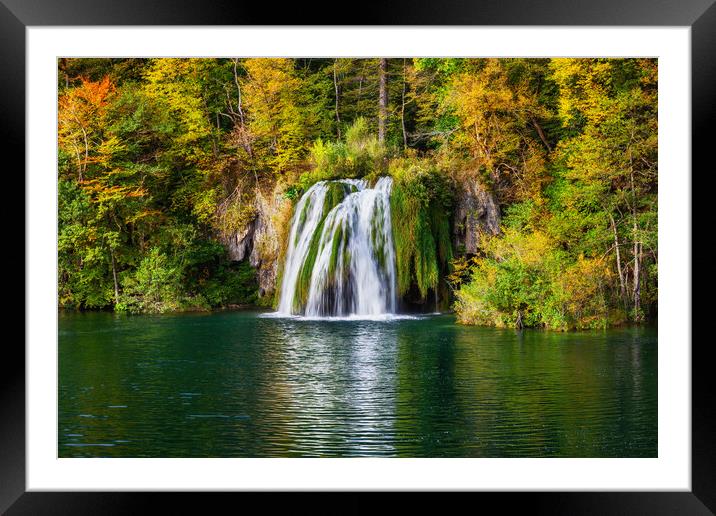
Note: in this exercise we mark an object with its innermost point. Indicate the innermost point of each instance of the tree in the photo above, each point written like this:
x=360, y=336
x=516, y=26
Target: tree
x=274, y=114
x=496, y=115
x=79, y=112
x=612, y=163
x=382, y=99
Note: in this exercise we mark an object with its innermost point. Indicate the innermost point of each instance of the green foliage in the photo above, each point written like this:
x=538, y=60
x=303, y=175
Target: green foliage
x=155, y=286
x=521, y=215
x=82, y=260
x=134, y=233
x=196, y=278
x=361, y=154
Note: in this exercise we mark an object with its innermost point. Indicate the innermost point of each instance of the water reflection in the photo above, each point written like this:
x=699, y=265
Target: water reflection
x=332, y=391
x=234, y=384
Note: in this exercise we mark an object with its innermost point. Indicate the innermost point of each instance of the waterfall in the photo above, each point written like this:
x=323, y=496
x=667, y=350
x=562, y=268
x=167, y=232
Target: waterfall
x=340, y=259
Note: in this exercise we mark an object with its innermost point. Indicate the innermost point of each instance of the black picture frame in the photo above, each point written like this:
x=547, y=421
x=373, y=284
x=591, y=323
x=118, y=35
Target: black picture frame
x=700, y=15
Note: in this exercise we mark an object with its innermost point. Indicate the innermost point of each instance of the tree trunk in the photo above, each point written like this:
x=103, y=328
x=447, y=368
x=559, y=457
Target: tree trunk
x=637, y=281
x=622, y=288
x=214, y=139
x=114, y=276
x=84, y=165
x=541, y=134
x=637, y=249
x=62, y=65
x=335, y=87
x=79, y=162
x=382, y=100
x=402, y=115
x=244, y=135
x=238, y=90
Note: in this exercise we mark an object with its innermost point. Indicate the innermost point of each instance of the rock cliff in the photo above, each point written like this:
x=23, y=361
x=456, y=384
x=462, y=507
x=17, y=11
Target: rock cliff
x=476, y=214
x=262, y=240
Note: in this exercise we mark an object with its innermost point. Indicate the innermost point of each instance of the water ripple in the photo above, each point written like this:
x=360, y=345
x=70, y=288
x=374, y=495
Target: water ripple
x=236, y=384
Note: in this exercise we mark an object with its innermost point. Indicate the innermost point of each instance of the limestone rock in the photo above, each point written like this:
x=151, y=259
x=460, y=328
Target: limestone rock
x=261, y=240
x=476, y=214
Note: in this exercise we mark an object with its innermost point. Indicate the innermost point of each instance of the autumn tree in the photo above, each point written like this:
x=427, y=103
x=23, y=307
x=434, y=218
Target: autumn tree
x=79, y=113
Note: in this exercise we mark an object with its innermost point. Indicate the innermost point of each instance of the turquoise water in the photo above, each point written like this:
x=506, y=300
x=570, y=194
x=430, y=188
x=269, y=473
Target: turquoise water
x=235, y=384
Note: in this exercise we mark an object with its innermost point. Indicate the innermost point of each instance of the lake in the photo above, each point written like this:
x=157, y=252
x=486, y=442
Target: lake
x=240, y=384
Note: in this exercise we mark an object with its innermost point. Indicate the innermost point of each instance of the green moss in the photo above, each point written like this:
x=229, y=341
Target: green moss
x=421, y=227
x=335, y=195
x=301, y=221
x=335, y=247
x=377, y=235
x=440, y=224
x=303, y=283
x=416, y=260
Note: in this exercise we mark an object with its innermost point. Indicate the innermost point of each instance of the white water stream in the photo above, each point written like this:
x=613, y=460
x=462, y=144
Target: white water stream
x=351, y=263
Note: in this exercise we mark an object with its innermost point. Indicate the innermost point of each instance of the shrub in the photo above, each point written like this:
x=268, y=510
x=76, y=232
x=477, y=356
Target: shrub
x=525, y=280
x=361, y=154
x=155, y=286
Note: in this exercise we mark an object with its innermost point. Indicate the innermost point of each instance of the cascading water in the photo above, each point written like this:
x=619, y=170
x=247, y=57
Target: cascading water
x=340, y=259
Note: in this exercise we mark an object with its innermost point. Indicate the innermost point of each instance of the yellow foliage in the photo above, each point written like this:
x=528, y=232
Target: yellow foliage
x=479, y=99
x=460, y=270
x=176, y=83
x=271, y=102
x=497, y=116
x=583, y=86
x=582, y=292
x=529, y=249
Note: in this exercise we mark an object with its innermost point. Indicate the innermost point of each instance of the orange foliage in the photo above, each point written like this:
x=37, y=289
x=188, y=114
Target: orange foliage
x=78, y=117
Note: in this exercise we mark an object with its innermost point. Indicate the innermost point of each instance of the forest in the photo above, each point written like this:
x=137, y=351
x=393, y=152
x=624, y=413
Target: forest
x=524, y=190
